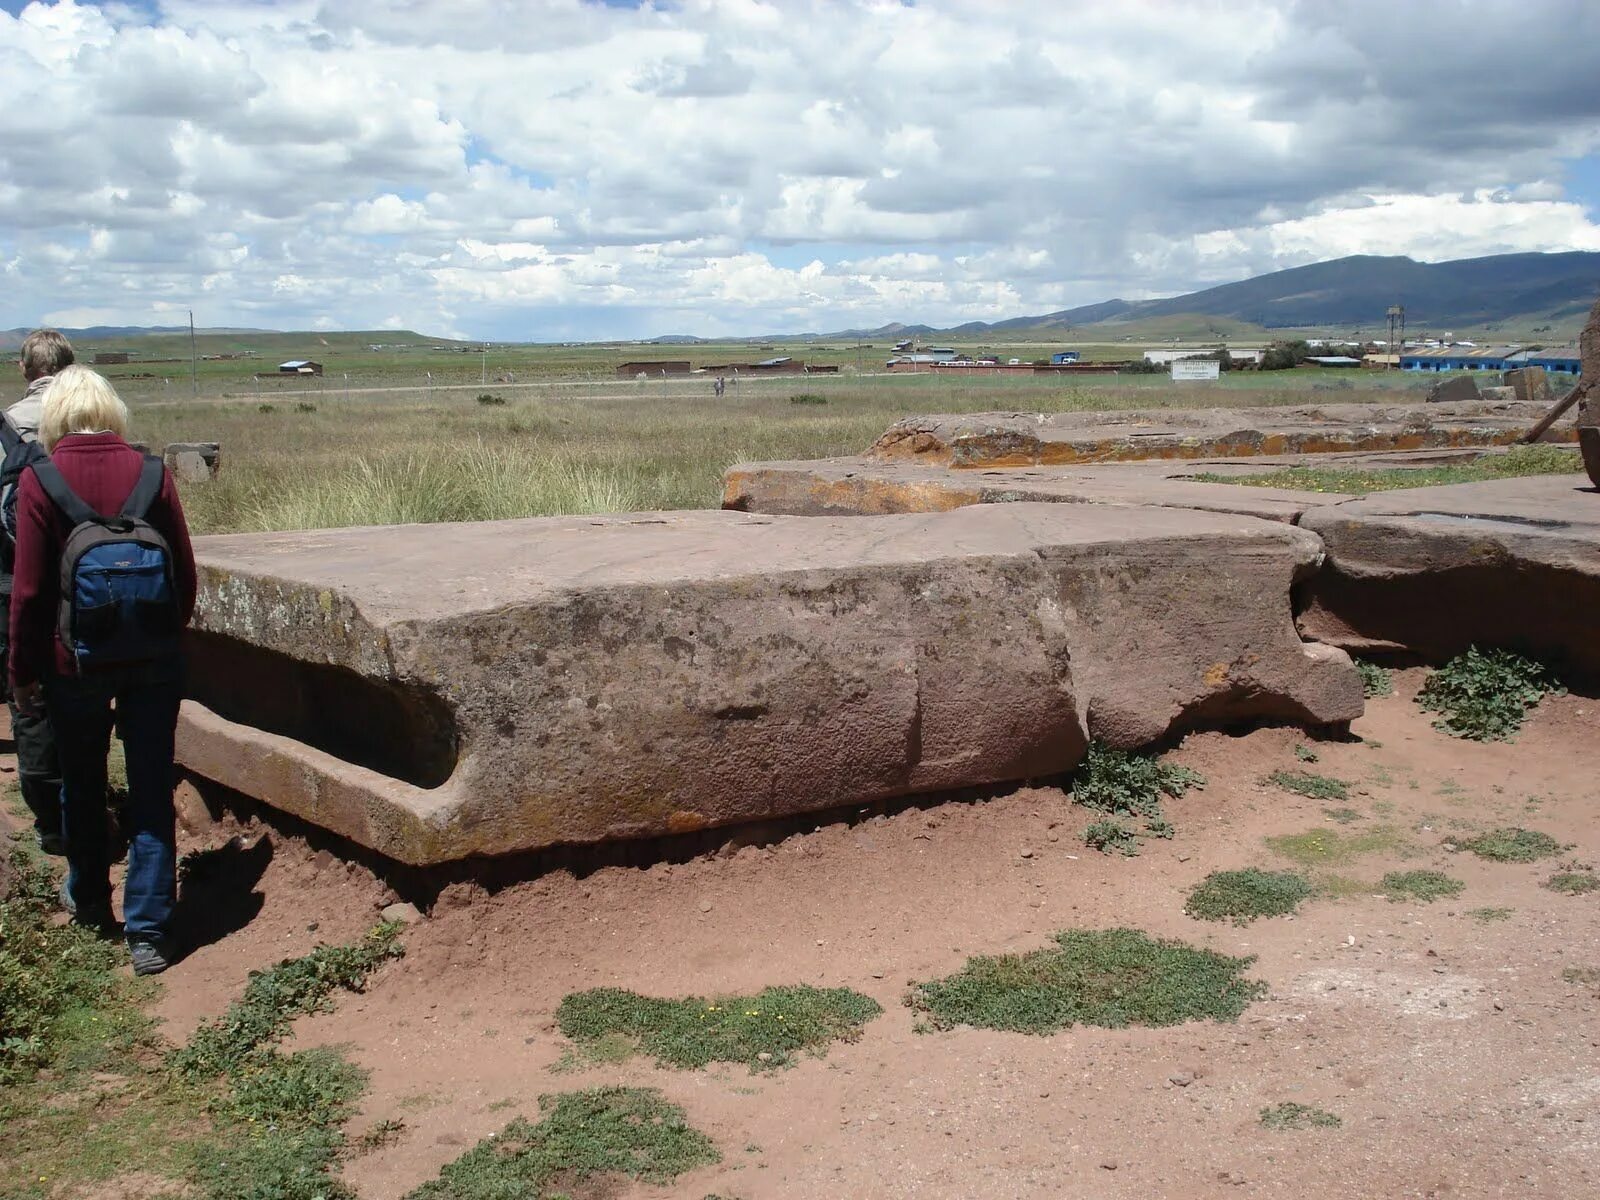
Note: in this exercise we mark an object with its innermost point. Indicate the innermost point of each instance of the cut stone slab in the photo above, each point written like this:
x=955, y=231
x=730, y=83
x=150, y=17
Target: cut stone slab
x=193, y=462
x=1513, y=562
x=865, y=487
x=1456, y=389
x=442, y=691
x=979, y=440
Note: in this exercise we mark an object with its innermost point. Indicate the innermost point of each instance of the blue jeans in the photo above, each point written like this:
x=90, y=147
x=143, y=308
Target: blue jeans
x=146, y=719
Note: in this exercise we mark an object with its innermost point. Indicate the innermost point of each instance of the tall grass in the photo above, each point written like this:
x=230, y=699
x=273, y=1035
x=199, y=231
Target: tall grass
x=407, y=457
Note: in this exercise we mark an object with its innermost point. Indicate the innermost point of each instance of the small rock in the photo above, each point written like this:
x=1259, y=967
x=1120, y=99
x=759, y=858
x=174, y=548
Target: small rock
x=405, y=913
x=1181, y=1079
x=1052, y=836
x=1108, y=1166
x=764, y=1056
x=1498, y=1007
x=1027, y=853
x=705, y=906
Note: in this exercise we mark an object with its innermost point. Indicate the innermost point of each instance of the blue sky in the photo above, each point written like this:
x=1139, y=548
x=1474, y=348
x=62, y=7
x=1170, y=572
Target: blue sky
x=501, y=168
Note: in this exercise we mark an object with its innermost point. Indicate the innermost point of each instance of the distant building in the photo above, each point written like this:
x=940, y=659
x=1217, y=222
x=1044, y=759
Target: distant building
x=630, y=370
x=1161, y=358
x=107, y=358
x=300, y=366
x=1062, y=357
x=1551, y=358
x=1461, y=358
x=1334, y=360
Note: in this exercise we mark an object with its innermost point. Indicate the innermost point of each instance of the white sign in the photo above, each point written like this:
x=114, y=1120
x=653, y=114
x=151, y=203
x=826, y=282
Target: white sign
x=1196, y=368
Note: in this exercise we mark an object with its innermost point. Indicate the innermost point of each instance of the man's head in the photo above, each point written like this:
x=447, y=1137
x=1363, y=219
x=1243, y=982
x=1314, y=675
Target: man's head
x=44, y=352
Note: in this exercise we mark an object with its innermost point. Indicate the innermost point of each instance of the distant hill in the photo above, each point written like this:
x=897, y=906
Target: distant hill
x=10, y=339
x=1525, y=289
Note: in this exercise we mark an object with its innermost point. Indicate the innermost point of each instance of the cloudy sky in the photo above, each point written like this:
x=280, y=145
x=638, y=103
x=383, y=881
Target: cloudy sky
x=550, y=170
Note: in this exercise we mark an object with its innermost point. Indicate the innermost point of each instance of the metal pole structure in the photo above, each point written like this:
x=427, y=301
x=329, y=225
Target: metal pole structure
x=486, y=366
x=194, y=370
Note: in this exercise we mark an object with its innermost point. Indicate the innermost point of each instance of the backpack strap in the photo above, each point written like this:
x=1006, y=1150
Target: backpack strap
x=55, y=486
x=151, y=478
x=10, y=435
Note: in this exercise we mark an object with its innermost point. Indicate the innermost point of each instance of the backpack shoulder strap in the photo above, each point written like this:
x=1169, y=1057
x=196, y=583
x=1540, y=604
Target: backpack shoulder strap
x=10, y=435
x=55, y=486
x=151, y=477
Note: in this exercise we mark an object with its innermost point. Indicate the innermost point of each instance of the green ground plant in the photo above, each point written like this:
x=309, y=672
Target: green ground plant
x=1344, y=816
x=1330, y=848
x=1315, y=787
x=1487, y=916
x=1243, y=896
x=275, y=997
x=1485, y=695
x=1126, y=786
x=1305, y=753
x=765, y=1031
x=1376, y=681
x=632, y=1133
x=1425, y=886
x=1111, y=837
x=1289, y=1115
x=808, y=398
x=1106, y=977
x=1573, y=883
x=1582, y=975
x=280, y=1116
x=1512, y=844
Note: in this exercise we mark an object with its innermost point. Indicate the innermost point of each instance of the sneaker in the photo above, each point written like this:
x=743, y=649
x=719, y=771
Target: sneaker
x=94, y=916
x=51, y=843
x=151, y=956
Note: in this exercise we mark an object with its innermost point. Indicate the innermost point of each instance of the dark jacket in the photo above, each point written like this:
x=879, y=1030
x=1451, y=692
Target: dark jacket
x=102, y=469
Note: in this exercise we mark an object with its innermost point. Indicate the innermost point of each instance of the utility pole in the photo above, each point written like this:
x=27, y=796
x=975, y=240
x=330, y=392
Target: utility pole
x=486, y=366
x=194, y=369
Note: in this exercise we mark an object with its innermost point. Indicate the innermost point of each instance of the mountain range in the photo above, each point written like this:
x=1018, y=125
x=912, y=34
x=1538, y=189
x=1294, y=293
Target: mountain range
x=1527, y=289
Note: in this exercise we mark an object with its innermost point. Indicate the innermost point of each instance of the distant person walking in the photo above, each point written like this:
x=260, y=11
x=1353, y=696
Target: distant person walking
x=104, y=584
x=44, y=353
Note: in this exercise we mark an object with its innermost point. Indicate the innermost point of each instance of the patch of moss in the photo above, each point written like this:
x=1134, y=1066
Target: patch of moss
x=1329, y=847
x=1485, y=916
x=1242, y=896
x=633, y=1133
x=764, y=1031
x=1512, y=844
x=1425, y=886
x=1573, y=883
x=1108, y=977
x=1290, y=1115
x=1316, y=787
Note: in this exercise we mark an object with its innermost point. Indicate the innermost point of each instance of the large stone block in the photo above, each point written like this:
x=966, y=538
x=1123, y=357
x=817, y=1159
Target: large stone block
x=985, y=440
x=867, y=487
x=1457, y=389
x=436, y=692
x=1513, y=562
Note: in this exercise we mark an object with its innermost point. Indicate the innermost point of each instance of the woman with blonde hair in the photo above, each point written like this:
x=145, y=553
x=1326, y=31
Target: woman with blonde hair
x=104, y=582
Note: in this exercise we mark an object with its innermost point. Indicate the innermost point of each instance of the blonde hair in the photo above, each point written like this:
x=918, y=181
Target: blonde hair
x=45, y=352
x=80, y=401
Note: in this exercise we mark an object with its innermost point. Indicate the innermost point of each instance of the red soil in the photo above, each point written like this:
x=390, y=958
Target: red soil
x=1460, y=1061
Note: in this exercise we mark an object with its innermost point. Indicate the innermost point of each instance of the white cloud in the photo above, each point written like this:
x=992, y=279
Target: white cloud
x=733, y=164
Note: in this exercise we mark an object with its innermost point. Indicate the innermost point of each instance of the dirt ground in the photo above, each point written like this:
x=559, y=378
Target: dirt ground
x=1460, y=1062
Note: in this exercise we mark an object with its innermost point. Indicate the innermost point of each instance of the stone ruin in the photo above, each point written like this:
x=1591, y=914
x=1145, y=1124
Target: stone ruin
x=970, y=602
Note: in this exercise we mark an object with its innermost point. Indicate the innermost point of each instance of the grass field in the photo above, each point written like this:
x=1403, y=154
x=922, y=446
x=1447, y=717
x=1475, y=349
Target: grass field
x=389, y=457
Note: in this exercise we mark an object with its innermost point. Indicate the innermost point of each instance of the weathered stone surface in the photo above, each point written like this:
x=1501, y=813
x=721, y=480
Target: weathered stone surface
x=1458, y=389
x=193, y=462
x=1531, y=384
x=1514, y=562
x=435, y=692
x=865, y=487
x=1589, y=385
x=977, y=440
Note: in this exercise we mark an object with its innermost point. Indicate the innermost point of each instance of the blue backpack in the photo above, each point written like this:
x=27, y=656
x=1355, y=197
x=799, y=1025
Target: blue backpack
x=118, y=601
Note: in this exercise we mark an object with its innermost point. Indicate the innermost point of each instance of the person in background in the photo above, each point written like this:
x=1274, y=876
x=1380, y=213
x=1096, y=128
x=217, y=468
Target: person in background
x=84, y=425
x=43, y=353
